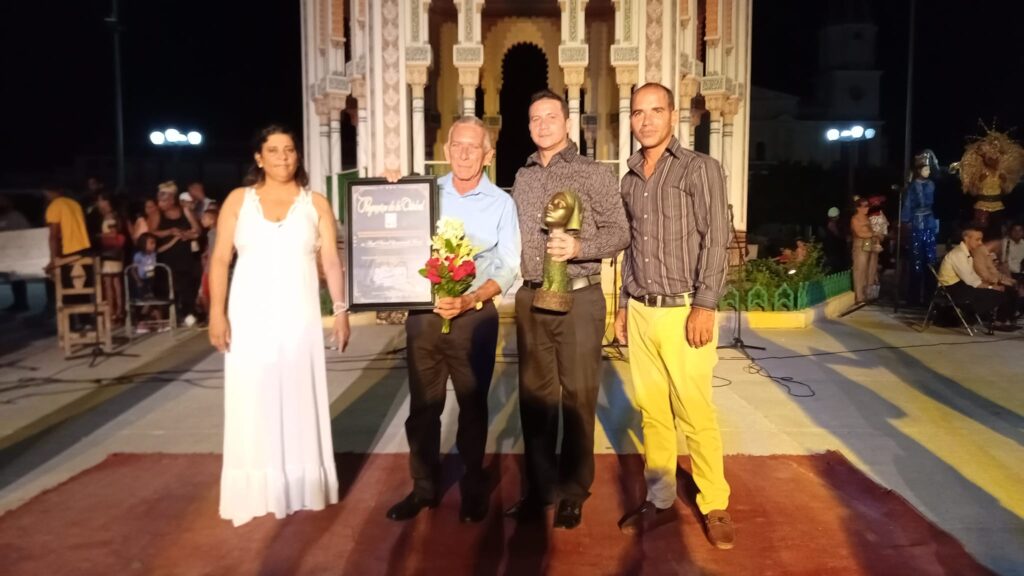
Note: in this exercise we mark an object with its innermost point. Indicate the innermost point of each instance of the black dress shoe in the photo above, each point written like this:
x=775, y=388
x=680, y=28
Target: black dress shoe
x=473, y=509
x=410, y=507
x=647, y=517
x=569, y=514
x=526, y=508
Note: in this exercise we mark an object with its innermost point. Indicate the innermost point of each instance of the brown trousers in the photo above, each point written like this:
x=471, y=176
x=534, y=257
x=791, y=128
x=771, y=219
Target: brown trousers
x=467, y=355
x=559, y=374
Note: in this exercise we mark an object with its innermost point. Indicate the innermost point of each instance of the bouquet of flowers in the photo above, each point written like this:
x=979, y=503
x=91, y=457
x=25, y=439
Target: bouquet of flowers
x=450, y=269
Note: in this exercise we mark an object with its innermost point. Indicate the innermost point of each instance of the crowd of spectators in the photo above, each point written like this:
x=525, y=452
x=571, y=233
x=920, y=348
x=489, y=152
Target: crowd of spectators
x=170, y=227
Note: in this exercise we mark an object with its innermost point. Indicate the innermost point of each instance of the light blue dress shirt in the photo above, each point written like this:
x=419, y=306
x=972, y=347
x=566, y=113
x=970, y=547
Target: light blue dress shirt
x=492, y=226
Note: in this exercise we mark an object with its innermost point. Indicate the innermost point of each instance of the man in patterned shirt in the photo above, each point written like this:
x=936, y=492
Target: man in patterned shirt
x=673, y=274
x=560, y=354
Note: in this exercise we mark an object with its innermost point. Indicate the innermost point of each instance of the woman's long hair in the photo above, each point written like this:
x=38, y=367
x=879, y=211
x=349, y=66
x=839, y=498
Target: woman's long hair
x=255, y=174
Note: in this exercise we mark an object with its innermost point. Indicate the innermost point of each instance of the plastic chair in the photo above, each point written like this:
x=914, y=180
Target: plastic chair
x=135, y=300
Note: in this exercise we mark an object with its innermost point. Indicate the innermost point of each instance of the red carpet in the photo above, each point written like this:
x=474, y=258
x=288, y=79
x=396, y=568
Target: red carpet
x=156, y=514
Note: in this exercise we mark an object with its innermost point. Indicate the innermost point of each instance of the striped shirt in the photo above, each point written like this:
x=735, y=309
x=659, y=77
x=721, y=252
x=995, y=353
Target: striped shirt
x=679, y=222
x=604, y=231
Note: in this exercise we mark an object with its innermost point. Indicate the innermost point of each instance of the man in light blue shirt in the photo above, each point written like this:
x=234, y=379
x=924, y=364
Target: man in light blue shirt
x=466, y=354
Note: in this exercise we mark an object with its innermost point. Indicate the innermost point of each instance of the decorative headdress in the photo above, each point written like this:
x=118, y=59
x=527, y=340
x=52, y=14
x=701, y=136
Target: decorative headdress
x=994, y=156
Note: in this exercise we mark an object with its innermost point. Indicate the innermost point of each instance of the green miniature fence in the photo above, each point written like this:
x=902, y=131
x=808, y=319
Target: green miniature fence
x=785, y=298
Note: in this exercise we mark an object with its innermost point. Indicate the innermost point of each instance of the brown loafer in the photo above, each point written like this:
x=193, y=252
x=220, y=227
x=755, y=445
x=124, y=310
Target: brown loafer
x=647, y=517
x=720, y=530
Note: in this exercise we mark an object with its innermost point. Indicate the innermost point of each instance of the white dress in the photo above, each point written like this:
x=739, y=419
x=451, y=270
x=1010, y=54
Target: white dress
x=278, y=454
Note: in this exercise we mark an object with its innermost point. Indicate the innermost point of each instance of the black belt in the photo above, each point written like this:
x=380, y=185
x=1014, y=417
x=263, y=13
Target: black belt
x=665, y=301
x=575, y=283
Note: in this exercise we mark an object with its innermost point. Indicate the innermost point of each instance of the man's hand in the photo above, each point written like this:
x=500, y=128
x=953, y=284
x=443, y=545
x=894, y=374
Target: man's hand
x=700, y=326
x=450, y=307
x=562, y=246
x=620, y=326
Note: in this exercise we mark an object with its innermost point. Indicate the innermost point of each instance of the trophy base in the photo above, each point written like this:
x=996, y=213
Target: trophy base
x=553, y=301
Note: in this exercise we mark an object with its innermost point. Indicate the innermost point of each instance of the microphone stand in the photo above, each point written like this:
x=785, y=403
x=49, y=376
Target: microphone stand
x=899, y=247
x=737, y=336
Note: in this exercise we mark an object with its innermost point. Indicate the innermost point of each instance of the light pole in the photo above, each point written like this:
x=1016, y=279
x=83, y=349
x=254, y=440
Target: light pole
x=115, y=28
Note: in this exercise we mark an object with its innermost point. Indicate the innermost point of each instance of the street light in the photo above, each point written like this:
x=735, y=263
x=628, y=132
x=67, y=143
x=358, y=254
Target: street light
x=173, y=136
x=851, y=134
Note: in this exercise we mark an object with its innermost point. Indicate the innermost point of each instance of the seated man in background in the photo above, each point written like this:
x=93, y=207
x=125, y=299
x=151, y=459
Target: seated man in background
x=1012, y=251
x=958, y=276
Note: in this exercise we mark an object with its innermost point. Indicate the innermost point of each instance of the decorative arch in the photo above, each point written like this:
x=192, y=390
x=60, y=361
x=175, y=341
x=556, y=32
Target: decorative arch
x=531, y=68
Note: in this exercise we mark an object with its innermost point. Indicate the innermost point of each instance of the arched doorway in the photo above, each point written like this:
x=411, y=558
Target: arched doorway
x=524, y=72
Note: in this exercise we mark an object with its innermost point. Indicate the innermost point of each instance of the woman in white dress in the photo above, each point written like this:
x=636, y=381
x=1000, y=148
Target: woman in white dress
x=278, y=455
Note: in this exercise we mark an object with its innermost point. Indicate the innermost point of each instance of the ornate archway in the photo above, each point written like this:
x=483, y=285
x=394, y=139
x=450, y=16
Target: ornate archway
x=524, y=71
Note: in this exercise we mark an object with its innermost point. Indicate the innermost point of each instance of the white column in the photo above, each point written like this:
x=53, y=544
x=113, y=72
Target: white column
x=468, y=53
x=363, y=139
x=325, y=145
x=574, y=81
x=335, y=142
x=727, y=142
x=573, y=57
x=418, y=59
x=688, y=88
x=625, y=136
x=418, y=132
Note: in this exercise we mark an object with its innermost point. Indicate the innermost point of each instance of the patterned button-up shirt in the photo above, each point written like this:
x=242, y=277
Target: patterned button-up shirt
x=604, y=231
x=679, y=223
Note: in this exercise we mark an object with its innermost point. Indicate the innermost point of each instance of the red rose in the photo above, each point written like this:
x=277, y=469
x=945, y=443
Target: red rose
x=433, y=277
x=465, y=269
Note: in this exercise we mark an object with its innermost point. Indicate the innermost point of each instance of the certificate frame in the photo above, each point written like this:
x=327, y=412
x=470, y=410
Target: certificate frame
x=389, y=230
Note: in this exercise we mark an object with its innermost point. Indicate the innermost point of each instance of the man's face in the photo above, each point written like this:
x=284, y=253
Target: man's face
x=165, y=200
x=197, y=191
x=651, y=117
x=549, y=128
x=466, y=151
x=1017, y=232
x=972, y=239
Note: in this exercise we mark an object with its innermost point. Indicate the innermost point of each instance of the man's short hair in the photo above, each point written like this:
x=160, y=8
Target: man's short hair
x=970, y=228
x=547, y=94
x=169, y=187
x=668, y=94
x=472, y=121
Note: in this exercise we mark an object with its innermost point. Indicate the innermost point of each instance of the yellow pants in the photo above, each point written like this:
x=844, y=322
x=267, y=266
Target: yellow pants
x=672, y=384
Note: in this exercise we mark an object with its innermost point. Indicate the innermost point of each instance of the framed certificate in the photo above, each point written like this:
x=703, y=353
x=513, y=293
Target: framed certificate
x=389, y=232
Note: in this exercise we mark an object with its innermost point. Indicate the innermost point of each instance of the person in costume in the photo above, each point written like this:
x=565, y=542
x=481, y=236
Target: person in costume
x=923, y=227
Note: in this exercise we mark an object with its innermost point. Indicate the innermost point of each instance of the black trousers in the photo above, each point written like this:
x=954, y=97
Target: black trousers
x=985, y=300
x=467, y=355
x=559, y=374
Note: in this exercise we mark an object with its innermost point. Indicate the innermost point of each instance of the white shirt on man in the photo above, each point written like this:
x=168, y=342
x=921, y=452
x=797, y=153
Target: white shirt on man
x=958, y=265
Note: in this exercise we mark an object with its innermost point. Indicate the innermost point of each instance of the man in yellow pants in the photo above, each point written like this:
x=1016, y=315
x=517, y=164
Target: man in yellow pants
x=672, y=276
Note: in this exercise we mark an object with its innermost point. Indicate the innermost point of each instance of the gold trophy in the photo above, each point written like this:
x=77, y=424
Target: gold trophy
x=564, y=212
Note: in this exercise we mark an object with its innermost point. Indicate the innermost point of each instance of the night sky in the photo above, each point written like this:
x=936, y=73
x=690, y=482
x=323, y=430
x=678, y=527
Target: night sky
x=229, y=66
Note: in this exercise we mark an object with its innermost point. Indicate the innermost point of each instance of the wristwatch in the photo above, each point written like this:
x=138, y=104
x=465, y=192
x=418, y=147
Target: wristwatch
x=477, y=303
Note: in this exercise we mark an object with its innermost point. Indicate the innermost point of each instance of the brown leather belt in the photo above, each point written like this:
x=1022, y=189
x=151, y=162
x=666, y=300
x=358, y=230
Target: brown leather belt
x=575, y=283
x=665, y=301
